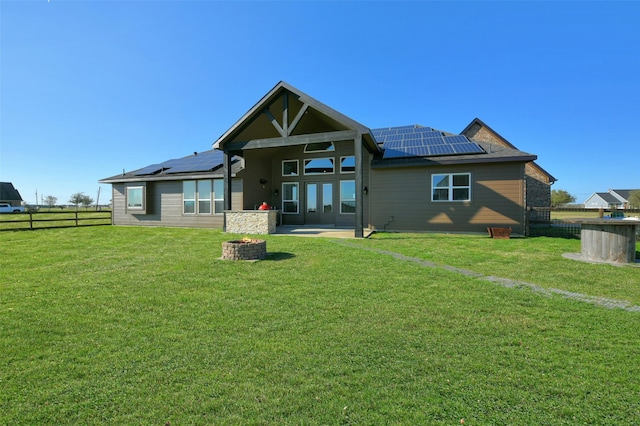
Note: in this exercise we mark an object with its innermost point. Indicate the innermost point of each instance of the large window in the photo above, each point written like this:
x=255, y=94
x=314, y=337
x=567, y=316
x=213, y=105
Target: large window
x=135, y=199
x=204, y=196
x=197, y=196
x=218, y=195
x=451, y=187
x=347, y=196
x=290, y=197
x=318, y=166
x=189, y=197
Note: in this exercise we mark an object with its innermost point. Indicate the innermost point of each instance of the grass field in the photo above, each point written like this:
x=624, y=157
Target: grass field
x=117, y=325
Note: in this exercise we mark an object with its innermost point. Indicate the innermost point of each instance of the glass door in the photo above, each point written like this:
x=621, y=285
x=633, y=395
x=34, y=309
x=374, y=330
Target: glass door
x=319, y=207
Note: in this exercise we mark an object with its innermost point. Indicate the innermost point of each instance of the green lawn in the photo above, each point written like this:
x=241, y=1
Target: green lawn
x=117, y=325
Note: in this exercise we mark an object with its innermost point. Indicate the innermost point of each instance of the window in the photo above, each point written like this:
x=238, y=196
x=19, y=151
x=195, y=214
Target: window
x=451, y=187
x=290, y=168
x=218, y=195
x=347, y=164
x=347, y=196
x=319, y=147
x=189, y=197
x=290, y=198
x=204, y=196
x=327, y=197
x=196, y=196
x=136, y=199
x=318, y=166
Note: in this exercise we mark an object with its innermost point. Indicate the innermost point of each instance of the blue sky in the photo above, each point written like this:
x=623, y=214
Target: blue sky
x=89, y=88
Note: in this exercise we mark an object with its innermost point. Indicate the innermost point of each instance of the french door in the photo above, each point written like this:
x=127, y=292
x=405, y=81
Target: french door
x=319, y=208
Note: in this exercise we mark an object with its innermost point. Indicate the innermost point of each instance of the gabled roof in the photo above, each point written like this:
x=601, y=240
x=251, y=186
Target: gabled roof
x=304, y=115
x=623, y=194
x=8, y=192
x=606, y=197
x=476, y=122
x=206, y=164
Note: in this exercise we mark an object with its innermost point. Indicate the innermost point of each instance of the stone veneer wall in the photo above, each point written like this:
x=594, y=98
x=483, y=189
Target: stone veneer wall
x=250, y=221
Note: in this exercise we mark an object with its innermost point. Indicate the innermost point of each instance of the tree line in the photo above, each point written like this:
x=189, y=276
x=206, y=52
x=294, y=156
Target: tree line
x=77, y=199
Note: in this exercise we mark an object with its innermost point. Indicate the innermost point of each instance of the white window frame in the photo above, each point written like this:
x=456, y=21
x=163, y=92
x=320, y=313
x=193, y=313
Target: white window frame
x=196, y=200
x=218, y=196
x=304, y=166
x=450, y=188
x=297, y=168
x=204, y=197
x=293, y=200
x=343, y=198
x=142, y=208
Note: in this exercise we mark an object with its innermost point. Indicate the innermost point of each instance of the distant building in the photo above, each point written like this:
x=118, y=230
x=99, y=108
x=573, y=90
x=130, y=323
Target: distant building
x=9, y=194
x=614, y=198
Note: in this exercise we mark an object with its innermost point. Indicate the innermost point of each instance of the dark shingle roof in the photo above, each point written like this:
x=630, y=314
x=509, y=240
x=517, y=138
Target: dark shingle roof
x=206, y=162
x=609, y=198
x=8, y=192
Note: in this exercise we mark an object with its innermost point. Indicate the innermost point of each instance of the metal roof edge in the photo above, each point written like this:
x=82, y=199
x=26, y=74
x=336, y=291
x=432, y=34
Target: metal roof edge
x=429, y=161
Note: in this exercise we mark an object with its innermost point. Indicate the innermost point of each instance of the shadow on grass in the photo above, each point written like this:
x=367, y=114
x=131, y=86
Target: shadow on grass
x=279, y=255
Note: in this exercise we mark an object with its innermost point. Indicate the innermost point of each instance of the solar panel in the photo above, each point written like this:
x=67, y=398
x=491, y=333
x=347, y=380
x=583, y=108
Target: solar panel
x=201, y=162
x=456, y=139
x=149, y=170
x=442, y=149
x=466, y=148
x=417, y=141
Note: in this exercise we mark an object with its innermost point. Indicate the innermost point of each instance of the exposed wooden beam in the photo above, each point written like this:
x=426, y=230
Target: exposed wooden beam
x=343, y=135
x=274, y=122
x=285, y=114
x=296, y=120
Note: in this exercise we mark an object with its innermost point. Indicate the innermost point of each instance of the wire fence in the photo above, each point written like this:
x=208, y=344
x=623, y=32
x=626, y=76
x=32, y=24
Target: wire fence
x=561, y=222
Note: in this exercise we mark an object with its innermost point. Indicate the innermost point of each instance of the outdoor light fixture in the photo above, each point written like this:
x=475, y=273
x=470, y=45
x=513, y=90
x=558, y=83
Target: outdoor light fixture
x=263, y=182
x=276, y=192
x=366, y=190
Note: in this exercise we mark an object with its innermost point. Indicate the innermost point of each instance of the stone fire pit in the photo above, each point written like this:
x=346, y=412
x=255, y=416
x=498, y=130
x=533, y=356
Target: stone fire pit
x=244, y=249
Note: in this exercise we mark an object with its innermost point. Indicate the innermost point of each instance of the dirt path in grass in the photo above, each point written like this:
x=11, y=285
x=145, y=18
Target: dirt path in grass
x=505, y=282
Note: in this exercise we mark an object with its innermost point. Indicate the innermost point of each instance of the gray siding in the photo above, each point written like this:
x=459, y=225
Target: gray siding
x=164, y=207
x=401, y=199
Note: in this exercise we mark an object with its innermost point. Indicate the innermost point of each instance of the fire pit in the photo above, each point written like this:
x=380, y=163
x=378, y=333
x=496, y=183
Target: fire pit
x=244, y=249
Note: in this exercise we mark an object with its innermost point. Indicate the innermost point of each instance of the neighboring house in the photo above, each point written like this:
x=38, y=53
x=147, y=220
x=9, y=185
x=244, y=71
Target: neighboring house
x=613, y=199
x=318, y=166
x=9, y=194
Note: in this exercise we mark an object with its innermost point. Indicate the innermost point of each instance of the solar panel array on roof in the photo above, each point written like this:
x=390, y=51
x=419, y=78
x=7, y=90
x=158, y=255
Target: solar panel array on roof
x=418, y=141
x=201, y=162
